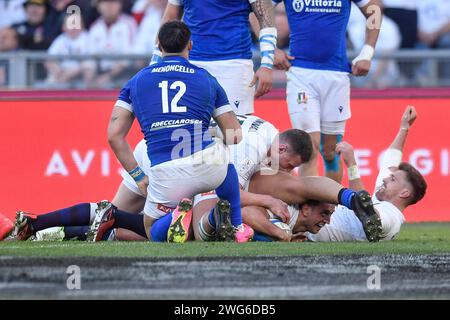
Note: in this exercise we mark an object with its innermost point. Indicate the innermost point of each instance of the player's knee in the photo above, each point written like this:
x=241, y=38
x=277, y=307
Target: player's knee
x=331, y=163
x=330, y=157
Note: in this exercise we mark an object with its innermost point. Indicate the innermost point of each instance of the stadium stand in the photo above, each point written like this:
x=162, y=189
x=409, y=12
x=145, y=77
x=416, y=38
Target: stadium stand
x=415, y=51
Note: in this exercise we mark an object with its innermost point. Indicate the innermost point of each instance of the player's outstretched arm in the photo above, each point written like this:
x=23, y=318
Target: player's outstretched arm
x=393, y=155
x=264, y=12
x=373, y=13
x=408, y=118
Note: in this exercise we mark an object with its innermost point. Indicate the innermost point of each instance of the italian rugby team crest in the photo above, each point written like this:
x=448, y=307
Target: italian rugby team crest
x=302, y=98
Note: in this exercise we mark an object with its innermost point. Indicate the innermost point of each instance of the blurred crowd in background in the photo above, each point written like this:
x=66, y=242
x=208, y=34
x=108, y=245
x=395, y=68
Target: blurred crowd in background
x=131, y=26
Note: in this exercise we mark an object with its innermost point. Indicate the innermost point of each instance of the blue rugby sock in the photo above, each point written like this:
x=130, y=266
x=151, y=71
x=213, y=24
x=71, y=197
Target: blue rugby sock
x=229, y=190
x=211, y=219
x=261, y=237
x=160, y=228
x=76, y=233
x=345, y=197
x=130, y=221
x=78, y=215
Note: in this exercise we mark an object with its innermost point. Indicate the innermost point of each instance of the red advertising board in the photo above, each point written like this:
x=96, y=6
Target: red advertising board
x=55, y=153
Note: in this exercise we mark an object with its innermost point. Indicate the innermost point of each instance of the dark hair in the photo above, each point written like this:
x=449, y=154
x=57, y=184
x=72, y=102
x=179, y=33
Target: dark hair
x=174, y=36
x=310, y=202
x=416, y=180
x=299, y=141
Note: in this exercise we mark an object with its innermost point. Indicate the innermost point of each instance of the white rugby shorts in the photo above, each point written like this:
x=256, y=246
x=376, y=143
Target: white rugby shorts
x=181, y=178
x=185, y=177
x=318, y=100
x=234, y=76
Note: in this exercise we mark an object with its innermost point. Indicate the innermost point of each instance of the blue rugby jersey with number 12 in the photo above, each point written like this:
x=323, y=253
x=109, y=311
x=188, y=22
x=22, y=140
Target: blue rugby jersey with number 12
x=174, y=95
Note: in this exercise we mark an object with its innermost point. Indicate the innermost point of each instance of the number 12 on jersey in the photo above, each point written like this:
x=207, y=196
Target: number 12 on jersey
x=181, y=86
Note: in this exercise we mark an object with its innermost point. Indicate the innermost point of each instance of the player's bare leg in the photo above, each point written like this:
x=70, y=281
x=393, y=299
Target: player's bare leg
x=310, y=168
x=294, y=190
x=258, y=219
x=127, y=200
x=333, y=164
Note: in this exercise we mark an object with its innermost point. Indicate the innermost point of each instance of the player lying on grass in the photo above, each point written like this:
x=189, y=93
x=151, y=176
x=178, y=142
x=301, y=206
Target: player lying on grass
x=249, y=156
x=398, y=186
x=289, y=189
x=130, y=199
x=309, y=216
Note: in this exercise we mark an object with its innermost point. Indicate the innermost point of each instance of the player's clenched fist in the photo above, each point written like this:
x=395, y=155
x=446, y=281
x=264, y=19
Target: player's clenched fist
x=408, y=118
x=361, y=68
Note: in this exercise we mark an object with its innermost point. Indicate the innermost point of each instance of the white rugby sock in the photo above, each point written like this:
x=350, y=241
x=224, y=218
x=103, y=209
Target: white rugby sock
x=204, y=235
x=94, y=207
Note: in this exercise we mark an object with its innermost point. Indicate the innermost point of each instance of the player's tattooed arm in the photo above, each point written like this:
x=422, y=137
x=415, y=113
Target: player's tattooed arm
x=264, y=12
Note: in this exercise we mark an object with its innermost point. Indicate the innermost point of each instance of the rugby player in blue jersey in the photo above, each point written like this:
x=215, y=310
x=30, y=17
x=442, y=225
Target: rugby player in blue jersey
x=318, y=84
x=173, y=101
x=222, y=44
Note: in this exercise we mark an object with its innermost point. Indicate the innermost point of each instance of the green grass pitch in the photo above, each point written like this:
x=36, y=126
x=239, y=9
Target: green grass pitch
x=414, y=239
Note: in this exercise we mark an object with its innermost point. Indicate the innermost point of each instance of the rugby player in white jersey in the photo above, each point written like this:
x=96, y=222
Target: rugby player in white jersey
x=309, y=216
x=318, y=84
x=222, y=44
x=398, y=186
x=257, y=156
